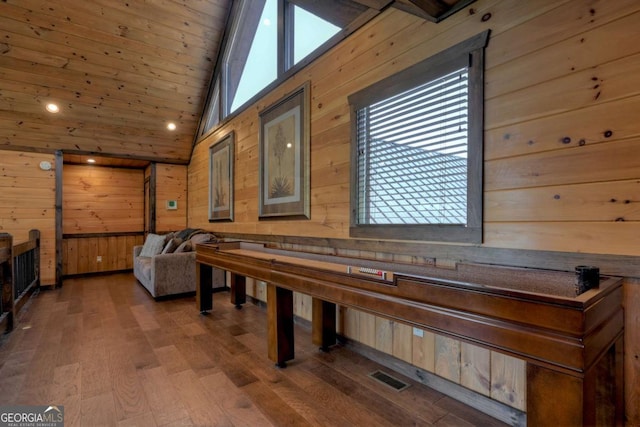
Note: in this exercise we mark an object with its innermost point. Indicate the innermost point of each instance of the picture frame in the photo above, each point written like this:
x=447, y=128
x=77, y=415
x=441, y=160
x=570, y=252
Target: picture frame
x=284, y=157
x=221, y=160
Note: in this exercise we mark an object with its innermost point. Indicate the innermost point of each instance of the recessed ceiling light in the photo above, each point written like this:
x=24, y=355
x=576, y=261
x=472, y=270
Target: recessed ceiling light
x=52, y=108
x=171, y=126
x=91, y=160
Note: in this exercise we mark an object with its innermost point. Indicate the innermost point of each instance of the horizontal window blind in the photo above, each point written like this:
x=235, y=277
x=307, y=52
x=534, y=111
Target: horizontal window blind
x=412, y=155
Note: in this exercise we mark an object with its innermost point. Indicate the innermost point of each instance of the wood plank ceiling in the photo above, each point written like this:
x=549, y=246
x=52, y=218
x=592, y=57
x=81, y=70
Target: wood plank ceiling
x=120, y=71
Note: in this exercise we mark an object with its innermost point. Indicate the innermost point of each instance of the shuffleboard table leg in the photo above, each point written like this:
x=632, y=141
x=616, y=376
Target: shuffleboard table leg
x=280, y=324
x=204, y=284
x=323, y=324
x=238, y=290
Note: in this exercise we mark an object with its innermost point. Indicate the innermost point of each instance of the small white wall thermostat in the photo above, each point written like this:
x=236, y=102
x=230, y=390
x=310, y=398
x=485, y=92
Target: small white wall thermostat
x=45, y=166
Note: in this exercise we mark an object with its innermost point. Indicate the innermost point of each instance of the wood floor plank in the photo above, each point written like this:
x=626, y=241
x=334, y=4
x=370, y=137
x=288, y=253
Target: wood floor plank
x=98, y=411
x=197, y=357
x=237, y=406
x=145, y=320
x=139, y=349
x=466, y=413
x=171, y=359
x=376, y=404
x=358, y=368
x=165, y=407
x=10, y=389
x=201, y=409
x=128, y=394
x=66, y=382
x=112, y=355
x=275, y=409
x=96, y=379
x=70, y=349
x=144, y=420
x=72, y=410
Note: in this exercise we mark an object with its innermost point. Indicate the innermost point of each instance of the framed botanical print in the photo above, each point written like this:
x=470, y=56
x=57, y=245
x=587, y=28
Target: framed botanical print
x=284, y=157
x=221, y=155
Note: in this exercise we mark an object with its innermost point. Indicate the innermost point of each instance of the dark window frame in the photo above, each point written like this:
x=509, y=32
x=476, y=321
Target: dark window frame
x=356, y=13
x=470, y=53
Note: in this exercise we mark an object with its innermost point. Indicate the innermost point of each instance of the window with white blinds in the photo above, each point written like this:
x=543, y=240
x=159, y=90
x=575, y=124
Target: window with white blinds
x=417, y=150
x=412, y=155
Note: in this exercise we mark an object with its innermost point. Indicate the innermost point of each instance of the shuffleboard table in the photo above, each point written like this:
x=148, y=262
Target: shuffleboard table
x=572, y=344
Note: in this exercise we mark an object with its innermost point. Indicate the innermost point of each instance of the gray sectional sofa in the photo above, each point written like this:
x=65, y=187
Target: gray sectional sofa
x=166, y=265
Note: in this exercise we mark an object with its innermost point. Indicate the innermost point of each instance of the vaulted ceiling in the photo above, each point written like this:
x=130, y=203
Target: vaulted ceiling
x=119, y=70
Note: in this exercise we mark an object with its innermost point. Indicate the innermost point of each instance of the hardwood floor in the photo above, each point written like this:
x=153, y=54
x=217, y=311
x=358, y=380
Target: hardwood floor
x=109, y=353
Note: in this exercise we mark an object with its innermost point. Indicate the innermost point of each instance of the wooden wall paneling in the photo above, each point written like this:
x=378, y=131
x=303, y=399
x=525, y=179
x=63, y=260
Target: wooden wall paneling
x=508, y=380
x=349, y=322
x=561, y=23
x=566, y=93
x=402, y=341
x=600, y=201
x=423, y=350
x=384, y=334
x=260, y=290
x=104, y=252
x=65, y=260
x=120, y=253
x=614, y=161
x=27, y=200
x=126, y=256
x=367, y=329
x=102, y=199
x=475, y=368
x=564, y=130
x=302, y=306
x=171, y=184
x=90, y=248
x=70, y=256
x=80, y=253
x=632, y=350
x=447, y=364
x=551, y=62
x=614, y=237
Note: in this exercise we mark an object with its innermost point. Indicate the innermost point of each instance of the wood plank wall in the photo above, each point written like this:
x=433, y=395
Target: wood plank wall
x=100, y=199
x=27, y=201
x=562, y=141
x=102, y=212
x=171, y=184
x=80, y=254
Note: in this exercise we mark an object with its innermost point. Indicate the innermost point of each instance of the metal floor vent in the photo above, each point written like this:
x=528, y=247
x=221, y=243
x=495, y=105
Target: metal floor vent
x=388, y=380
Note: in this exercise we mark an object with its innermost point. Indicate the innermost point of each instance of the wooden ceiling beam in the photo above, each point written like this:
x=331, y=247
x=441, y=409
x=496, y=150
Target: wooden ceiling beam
x=339, y=12
x=433, y=10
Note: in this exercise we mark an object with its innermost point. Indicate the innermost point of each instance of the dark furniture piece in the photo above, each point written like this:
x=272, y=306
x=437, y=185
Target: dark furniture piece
x=572, y=344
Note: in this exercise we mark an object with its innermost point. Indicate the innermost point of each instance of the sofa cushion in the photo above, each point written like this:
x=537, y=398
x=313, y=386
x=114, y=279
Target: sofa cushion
x=145, y=267
x=153, y=245
x=184, y=247
x=171, y=245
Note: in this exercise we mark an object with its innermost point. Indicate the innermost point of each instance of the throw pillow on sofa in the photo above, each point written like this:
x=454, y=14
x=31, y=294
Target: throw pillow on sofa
x=184, y=247
x=171, y=245
x=153, y=245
